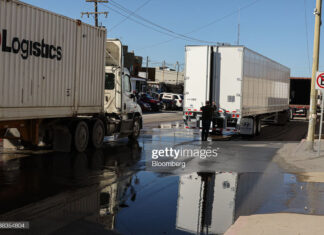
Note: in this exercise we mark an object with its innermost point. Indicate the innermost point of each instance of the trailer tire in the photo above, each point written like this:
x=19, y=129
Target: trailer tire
x=255, y=126
x=136, y=129
x=291, y=116
x=97, y=133
x=81, y=136
x=258, y=126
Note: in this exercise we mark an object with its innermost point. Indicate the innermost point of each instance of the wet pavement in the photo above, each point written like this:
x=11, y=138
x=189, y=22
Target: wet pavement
x=116, y=190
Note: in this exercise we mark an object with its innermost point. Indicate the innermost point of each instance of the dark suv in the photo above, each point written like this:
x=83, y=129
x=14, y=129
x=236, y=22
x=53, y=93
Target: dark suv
x=155, y=104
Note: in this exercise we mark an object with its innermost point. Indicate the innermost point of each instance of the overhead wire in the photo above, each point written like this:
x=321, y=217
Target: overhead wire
x=130, y=14
x=140, y=23
x=165, y=30
x=203, y=26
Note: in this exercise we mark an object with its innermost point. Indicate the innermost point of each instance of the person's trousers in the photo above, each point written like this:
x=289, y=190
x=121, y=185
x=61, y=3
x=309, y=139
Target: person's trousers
x=205, y=129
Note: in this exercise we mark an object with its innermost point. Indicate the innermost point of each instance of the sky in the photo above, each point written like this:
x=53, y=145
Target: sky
x=282, y=30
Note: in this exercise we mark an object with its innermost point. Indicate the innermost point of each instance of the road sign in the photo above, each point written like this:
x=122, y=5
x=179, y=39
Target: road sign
x=319, y=85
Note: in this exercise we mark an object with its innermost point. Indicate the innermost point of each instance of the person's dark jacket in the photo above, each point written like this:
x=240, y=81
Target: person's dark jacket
x=207, y=113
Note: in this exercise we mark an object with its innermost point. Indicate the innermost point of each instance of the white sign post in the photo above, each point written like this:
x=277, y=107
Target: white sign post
x=319, y=85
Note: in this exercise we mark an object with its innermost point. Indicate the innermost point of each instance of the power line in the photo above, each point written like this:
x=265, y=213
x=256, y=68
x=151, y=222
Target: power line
x=122, y=8
x=224, y=17
x=144, y=25
x=204, y=26
x=137, y=9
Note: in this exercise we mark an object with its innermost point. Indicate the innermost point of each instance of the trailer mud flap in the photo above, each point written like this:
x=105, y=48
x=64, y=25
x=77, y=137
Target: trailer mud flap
x=246, y=127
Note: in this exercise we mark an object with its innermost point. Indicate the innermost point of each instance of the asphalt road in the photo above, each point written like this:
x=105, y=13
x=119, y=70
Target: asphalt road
x=116, y=190
x=151, y=120
x=295, y=130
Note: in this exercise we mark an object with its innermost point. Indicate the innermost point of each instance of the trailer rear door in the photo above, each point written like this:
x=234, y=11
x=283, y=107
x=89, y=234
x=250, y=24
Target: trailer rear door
x=197, y=75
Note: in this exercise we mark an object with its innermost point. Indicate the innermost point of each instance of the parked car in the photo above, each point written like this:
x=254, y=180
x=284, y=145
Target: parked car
x=169, y=104
x=144, y=106
x=178, y=98
x=156, y=95
x=156, y=105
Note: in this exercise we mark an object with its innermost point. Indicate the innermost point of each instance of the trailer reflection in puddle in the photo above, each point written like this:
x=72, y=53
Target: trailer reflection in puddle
x=107, y=191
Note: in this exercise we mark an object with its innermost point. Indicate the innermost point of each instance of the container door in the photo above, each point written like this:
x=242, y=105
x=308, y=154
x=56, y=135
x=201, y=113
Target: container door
x=197, y=76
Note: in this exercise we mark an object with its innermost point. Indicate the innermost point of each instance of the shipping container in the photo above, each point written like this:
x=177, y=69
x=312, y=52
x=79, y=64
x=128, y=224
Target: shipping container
x=50, y=65
x=62, y=83
x=241, y=82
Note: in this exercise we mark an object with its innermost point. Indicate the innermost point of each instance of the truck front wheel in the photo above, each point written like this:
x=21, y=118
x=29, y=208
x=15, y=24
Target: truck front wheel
x=97, y=133
x=136, y=129
x=81, y=136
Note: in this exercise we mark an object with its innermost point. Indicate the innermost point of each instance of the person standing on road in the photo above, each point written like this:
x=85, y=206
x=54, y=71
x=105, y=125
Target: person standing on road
x=207, y=117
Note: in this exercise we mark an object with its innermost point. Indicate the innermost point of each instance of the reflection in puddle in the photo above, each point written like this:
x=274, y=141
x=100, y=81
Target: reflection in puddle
x=109, y=189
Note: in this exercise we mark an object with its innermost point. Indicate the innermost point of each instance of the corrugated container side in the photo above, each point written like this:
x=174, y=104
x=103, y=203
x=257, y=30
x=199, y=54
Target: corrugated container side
x=55, y=68
x=265, y=85
x=92, y=67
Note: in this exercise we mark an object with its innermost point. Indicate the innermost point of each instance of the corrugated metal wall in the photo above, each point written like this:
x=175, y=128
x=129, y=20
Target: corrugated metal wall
x=34, y=74
x=265, y=85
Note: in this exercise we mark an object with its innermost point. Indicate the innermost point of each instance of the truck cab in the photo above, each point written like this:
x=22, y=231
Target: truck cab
x=120, y=105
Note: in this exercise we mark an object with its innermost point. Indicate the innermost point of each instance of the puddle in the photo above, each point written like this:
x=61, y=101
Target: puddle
x=111, y=189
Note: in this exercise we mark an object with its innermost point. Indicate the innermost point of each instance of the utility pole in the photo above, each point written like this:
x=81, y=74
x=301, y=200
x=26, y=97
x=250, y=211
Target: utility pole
x=147, y=64
x=163, y=66
x=238, y=27
x=96, y=13
x=177, y=71
x=313, y=96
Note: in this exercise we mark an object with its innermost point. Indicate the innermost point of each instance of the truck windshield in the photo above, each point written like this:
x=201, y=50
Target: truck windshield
x=109, y=81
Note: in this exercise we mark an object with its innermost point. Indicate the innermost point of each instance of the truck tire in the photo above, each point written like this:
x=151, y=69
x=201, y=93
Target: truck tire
x=258, y=126
x=81, y=136
x=255, y=126
x=136, y=129
x=97, y=133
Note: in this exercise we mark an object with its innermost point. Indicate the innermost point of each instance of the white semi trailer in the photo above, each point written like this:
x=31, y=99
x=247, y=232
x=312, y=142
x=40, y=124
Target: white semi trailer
x=245, y=86
x=61, y=81
x=209, y=203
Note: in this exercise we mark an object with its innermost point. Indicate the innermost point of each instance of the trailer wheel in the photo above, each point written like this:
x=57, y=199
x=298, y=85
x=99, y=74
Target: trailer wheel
x=136, y=129
x=255, y=126
x=258, y=126
x=81, y=136
x=97, y=133
x=291, y=114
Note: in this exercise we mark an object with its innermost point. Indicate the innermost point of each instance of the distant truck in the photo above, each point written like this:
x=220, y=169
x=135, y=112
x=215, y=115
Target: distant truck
x=299, y=96
x=62, y=82
x=246, y=87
